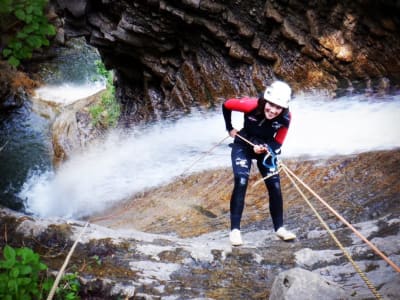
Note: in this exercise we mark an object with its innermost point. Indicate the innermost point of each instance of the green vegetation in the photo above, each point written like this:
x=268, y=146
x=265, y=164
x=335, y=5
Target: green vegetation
x=107, y=112
x=27, y=26
x=23, y=276
x=68, y=288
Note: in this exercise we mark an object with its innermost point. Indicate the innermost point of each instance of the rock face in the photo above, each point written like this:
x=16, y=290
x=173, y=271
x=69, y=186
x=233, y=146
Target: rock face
x=72, y=129
x=172, y=55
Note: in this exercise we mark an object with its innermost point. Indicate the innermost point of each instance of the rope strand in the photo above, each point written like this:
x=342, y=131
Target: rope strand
x=348, y=256
x=205, y=154
x=340, y=245
x=116, y=214
x=61, y=272
x=372, y=246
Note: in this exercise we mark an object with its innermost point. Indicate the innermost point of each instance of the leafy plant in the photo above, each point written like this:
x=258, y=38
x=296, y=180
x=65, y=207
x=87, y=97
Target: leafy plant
x=33, y=28
x=21, y=275
x=107, y=111
x=97, y=259
x=68, y=288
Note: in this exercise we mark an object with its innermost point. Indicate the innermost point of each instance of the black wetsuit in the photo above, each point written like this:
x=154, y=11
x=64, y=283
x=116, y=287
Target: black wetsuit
x=260, y=131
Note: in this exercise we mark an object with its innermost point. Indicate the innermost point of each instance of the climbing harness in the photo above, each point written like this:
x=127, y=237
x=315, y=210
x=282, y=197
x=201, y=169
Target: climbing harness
x=270, y=160
x=273, y=166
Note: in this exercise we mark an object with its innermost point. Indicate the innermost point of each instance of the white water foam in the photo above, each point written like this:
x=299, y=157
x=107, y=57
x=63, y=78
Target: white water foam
x=130, y=162
x=343, y=126
x=68, y=93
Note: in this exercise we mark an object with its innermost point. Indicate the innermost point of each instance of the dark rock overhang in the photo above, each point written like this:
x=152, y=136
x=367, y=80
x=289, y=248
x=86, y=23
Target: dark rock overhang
x=172, y=55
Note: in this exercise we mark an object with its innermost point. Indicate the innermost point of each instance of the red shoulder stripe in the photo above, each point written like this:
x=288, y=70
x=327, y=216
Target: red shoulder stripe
x=282, y=132
x=281, y=135
x=245, y=104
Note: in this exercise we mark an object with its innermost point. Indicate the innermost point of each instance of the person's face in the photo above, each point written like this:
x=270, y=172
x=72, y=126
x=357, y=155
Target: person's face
x=272, y=110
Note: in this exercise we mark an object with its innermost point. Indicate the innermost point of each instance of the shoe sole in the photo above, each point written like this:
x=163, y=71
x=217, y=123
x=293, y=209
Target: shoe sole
x=236, y=244
x=286, y=239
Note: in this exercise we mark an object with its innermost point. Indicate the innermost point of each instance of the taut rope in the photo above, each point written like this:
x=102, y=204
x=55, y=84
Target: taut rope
x=291, y=175
x=345, y=252
x=372, y=246
x=109, y=216
x=205, y=154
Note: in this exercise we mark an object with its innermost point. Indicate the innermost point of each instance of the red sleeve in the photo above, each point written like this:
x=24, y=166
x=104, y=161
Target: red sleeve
x=245, y=104
x=282, y=132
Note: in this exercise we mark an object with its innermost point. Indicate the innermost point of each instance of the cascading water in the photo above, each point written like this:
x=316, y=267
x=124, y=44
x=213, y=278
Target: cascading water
x=25, y=146
x=71, y=75
x=132, y=161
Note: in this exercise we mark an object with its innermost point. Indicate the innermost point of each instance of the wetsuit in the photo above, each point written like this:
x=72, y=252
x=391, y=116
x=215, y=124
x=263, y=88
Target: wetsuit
x=258, y=130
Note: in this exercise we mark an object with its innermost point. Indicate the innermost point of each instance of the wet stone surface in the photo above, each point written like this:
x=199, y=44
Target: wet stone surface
x=172, y=242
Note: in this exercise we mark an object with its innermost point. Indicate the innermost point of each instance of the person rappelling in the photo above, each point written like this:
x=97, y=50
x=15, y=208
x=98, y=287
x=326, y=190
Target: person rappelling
x=266, y=123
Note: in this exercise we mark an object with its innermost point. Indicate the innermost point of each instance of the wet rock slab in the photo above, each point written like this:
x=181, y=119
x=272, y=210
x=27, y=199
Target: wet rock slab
x=185, y=253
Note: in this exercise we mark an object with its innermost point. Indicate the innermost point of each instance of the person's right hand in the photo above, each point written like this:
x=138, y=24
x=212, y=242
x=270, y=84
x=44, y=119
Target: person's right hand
x=259, y=149
x=233, y=133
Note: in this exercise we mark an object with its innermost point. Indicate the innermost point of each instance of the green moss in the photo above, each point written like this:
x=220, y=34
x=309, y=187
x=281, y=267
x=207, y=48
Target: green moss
x=107, y=112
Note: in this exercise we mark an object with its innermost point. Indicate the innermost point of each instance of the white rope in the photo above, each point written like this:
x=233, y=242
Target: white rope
x=61, y=272
x=333, y=236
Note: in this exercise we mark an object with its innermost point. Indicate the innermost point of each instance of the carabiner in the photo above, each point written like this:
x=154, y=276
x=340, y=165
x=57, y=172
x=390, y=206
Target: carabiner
x=273, y=165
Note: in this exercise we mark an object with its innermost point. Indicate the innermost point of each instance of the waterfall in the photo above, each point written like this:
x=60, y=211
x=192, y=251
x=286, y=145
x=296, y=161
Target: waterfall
x=128, y=162
x=24, y=132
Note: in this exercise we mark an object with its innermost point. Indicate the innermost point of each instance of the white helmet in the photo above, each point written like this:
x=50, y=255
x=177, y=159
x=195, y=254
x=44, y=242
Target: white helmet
x=278, y=93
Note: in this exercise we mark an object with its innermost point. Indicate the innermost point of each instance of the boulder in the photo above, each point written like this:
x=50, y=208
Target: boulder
x=300, y=284
x=72, y=129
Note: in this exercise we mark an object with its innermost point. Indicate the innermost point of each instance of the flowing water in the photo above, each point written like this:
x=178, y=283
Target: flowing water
x=132, y=161
x=25, y=145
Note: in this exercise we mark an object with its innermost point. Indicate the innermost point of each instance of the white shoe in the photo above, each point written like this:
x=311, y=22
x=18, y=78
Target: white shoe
x=285, y=234
x=235, y=237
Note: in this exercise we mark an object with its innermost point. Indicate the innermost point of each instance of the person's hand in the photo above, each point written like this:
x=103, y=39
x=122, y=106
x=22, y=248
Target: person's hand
x=259, y=149
x=233, y=133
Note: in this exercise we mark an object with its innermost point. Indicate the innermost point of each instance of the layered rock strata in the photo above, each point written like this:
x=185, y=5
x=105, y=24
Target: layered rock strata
x=173, y=55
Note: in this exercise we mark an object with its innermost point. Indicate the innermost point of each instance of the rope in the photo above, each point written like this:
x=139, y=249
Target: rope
x=291, y=175
x=109, y=216
x=340, y=245
x=244, y=139
x=205, y=154
x=265, y=178
x=373, y=247
x=61, y=272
